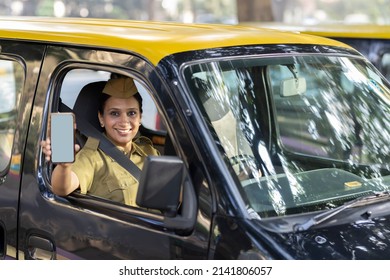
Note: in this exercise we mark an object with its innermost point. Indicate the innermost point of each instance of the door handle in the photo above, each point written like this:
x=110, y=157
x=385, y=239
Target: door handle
x=40, y=248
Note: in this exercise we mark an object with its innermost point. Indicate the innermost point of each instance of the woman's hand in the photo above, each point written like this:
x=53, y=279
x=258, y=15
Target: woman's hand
x=46, y=148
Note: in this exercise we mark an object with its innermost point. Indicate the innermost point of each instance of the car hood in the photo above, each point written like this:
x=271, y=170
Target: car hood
x=360, y=240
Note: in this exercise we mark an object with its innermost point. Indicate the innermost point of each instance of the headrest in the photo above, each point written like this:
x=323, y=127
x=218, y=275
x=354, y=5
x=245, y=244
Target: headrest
x=87, y=102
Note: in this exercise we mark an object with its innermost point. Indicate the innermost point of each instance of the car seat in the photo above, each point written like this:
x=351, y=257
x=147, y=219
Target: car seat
x=86, y=107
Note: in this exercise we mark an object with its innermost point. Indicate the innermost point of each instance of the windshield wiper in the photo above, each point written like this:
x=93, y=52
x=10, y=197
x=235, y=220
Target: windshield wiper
x=320, y=218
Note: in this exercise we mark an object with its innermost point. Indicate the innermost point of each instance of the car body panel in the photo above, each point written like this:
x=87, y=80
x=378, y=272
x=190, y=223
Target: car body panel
x=368, y=31
x=164, y=38
x=364, y=239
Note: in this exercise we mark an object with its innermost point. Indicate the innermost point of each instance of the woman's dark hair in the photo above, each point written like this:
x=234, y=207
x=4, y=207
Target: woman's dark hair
x=103, y=98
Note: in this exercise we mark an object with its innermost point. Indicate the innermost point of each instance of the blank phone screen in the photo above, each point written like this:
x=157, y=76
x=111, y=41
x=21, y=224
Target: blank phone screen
x=62, y=137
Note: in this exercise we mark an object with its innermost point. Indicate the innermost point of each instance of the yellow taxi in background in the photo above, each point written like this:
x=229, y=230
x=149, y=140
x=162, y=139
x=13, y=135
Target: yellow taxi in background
x=373, y=41
x=275, y=144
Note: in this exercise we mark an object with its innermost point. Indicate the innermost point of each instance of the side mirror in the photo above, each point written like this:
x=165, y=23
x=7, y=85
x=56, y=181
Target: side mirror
x=165, y=186
x=161, y=184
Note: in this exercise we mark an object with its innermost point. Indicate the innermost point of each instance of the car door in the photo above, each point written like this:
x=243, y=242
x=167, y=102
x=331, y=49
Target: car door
x=19, y=69
x=85, y=227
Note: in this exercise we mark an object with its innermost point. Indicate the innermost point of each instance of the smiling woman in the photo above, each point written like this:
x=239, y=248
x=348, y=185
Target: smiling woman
x=119, y=113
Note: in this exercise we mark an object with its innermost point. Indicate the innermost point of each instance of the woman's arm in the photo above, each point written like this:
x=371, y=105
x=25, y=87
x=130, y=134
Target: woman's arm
x=64, y=181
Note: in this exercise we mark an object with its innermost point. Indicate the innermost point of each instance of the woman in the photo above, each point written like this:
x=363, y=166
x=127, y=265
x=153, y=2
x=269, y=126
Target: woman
x=94, y=172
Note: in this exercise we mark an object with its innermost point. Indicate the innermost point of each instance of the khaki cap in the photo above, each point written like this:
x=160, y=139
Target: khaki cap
x=120, y=87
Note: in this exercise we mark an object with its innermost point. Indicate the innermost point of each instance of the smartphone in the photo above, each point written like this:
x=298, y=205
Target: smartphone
x=62, y=131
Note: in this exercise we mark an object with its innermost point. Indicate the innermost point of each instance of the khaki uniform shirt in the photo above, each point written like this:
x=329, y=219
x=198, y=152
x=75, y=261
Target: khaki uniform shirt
x=102, y=176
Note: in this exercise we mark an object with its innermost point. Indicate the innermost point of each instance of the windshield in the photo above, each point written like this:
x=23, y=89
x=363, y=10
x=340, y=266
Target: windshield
x=299, y=134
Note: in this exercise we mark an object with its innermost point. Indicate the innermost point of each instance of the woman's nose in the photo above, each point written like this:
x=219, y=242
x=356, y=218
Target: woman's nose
x=124, y=118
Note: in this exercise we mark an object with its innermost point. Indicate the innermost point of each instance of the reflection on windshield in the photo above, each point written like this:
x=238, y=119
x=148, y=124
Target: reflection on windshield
x=302, y=133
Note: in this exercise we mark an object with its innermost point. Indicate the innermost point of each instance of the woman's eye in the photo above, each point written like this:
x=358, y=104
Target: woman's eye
x=113, y=113
x=132, y=113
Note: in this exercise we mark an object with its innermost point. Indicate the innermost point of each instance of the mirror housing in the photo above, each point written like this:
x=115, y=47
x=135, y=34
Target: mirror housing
x=165, y=186
x=160, y=185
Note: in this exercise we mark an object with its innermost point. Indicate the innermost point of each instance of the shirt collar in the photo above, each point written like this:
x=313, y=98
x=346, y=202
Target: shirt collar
x=135, y=149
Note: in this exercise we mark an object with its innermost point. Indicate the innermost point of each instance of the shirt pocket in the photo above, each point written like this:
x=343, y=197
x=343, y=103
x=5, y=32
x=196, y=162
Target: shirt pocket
x=114, y=190
x=109, y=188
x=124, y=188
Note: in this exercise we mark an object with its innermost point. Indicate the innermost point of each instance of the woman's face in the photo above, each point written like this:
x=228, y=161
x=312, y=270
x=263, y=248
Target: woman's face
x=121, y=119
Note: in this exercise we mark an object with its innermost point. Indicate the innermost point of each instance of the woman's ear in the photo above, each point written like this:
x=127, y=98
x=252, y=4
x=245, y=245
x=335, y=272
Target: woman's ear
x=100, y=119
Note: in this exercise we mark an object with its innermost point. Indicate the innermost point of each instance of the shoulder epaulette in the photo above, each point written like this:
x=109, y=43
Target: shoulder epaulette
x=92, y=143
x=142, y=140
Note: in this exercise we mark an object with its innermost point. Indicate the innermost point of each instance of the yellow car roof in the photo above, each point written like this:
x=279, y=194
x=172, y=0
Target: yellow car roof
x=332, y=30
x=153, y=40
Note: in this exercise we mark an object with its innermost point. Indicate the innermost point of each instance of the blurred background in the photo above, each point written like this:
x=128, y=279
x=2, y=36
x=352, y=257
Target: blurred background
x=209, y=11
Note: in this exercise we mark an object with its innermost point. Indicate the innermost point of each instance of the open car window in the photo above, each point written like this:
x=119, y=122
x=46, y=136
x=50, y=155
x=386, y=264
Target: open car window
x=89, y=83
x=77, y=78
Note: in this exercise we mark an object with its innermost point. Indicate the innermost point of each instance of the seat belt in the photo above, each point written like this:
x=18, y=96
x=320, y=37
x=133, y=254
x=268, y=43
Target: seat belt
x=104, y=144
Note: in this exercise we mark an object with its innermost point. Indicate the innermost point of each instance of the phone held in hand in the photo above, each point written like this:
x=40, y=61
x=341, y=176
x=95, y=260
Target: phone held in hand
x=62, y=130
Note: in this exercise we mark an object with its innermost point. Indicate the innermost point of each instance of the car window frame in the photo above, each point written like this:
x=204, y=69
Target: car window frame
x=76, y=199
x=9, y=164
